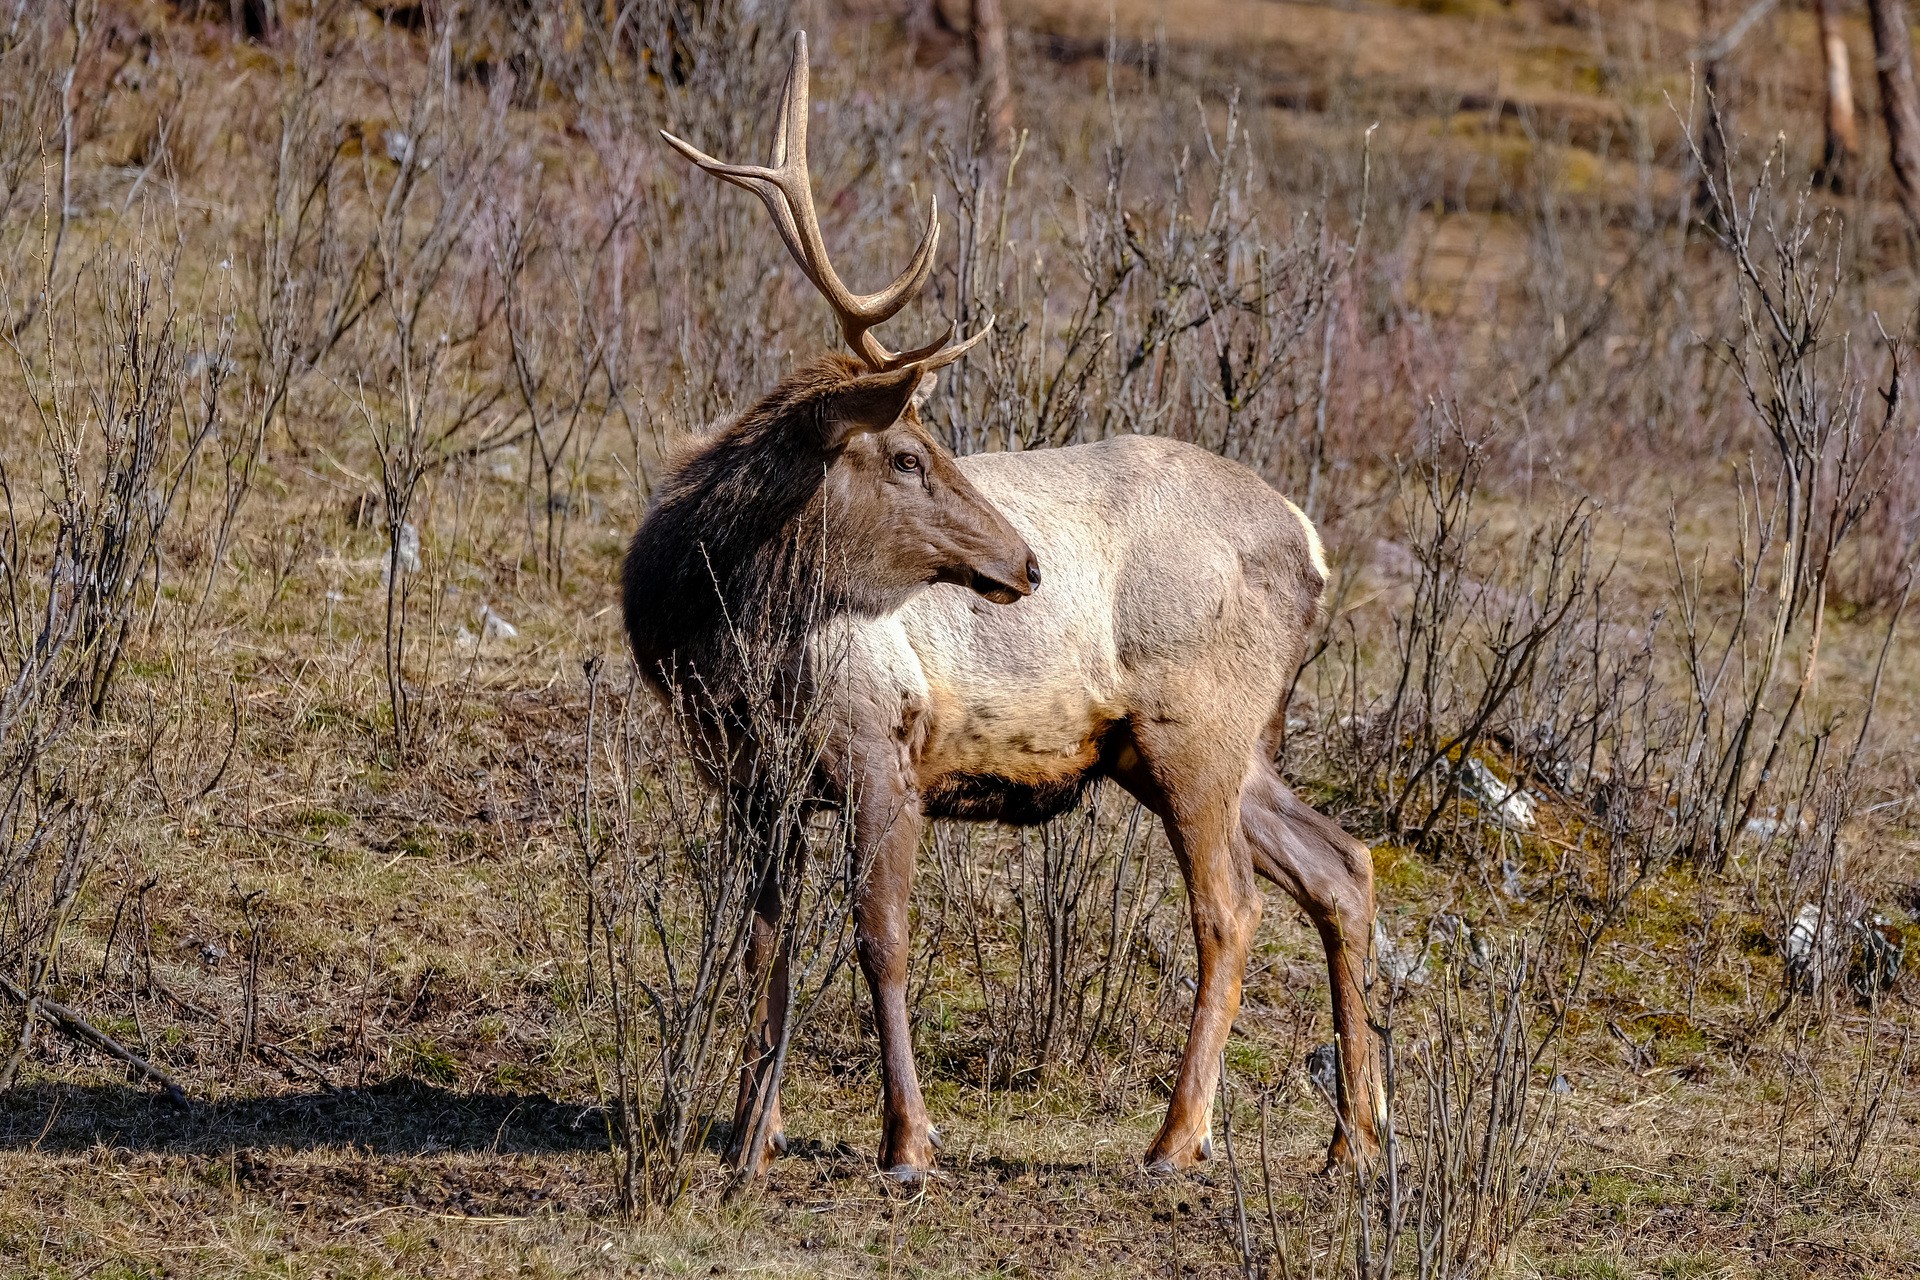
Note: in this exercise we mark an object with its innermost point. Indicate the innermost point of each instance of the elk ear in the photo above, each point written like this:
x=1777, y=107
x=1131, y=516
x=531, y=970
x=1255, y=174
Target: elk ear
x=871, y=402
x=929, y=383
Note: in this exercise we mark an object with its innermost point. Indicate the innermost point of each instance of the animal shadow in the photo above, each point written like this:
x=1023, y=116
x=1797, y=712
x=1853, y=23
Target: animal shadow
x=398, y=1117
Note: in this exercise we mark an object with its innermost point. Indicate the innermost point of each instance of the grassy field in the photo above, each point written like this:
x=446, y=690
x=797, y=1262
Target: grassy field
x=348, y=341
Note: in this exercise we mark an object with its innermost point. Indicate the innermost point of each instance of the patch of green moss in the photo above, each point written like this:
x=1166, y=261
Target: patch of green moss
x=424, y=1059
x=1249, y=1059
x=315, y=823
x=128, y=1269
x=1587, y=1266
x=416, y=842
x=323, y=716
x=1400, y=872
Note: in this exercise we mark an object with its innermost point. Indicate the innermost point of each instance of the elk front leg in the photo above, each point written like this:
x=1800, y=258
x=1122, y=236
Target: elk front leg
x=1226, y=911
x=1330, y=874
x=766, y=977
x=887, y=831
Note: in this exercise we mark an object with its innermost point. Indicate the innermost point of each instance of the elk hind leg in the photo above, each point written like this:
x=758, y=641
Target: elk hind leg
x=1201, y=821
x=1330, y=874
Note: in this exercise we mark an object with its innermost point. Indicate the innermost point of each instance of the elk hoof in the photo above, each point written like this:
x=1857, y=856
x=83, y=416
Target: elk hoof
x=934, y=1139
x=774, y=1146
x=909, y=1175
x=1342, y=1155
x=907, y=1153
x=1161, y=1162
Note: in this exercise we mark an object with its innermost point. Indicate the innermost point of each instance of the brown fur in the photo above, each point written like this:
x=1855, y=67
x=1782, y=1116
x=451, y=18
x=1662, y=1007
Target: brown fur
x=743, y=522
x=1178, y=605
x=1179, y=592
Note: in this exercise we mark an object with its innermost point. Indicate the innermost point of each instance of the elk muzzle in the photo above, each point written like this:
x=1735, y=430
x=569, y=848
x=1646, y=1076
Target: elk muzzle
x=1006, y=582
x=982, y=551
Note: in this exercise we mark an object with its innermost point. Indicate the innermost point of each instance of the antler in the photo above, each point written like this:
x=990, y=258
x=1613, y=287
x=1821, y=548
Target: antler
x=786, y=190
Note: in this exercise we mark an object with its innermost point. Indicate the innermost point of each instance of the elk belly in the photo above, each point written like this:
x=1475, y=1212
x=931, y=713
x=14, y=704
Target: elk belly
x=994, y=760
x=981, y=797
x=976, y=754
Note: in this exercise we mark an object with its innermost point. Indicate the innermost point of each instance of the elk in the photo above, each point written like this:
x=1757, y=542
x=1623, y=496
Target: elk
x=1157, y=652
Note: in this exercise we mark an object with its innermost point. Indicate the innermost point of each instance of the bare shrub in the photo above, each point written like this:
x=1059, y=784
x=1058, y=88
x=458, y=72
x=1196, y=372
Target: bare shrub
x=81, y=560
x=421, y=387
x=1192, y=309
x=1484, y=1122
x=658, y=922
x=121, y=424
x=41, y=48
x=569, y=323
x=683, y=891
x=1474, y=1140
x=619, y=270
x=1067, y=933
x=1477, y=634
x=307, y=279
x=1806, y=389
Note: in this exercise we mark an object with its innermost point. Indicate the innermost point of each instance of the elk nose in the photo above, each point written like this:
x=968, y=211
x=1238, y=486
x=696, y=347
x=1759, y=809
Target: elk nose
x=1033, y=572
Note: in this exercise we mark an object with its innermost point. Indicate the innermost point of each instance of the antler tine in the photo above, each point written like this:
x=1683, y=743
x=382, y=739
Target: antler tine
x=787, y=191
x=942, y=351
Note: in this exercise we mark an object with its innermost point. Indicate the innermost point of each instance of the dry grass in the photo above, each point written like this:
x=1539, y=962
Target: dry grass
x=353, y=945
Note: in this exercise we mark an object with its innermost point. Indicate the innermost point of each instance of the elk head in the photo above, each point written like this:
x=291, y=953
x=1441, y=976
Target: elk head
x=898, y=508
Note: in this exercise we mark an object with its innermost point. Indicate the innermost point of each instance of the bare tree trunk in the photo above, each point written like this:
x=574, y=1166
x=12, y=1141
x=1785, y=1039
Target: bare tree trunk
x=990, y=61
x=1842, y=151
x=1893, y=61
x=1715, y=112
x=1715, y=117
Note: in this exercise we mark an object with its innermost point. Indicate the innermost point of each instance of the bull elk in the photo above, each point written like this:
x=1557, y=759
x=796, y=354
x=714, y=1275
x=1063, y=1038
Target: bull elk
x=1179, y=588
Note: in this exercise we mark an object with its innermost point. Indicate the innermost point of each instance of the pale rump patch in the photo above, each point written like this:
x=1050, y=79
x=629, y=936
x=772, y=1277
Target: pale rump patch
x=1315, y=551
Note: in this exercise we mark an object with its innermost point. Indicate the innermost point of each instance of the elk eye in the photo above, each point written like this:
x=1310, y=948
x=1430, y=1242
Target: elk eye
x=906, y=462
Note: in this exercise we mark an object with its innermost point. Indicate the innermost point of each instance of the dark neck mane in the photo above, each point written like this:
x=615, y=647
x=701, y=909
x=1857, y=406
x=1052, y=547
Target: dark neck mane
x=729, y=547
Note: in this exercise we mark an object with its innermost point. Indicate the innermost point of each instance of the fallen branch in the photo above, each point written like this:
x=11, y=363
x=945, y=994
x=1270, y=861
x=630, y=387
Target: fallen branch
x=83, y=1032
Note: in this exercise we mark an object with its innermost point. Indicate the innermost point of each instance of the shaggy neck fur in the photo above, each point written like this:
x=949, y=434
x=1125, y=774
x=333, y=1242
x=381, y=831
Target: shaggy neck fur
x=729, y=565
